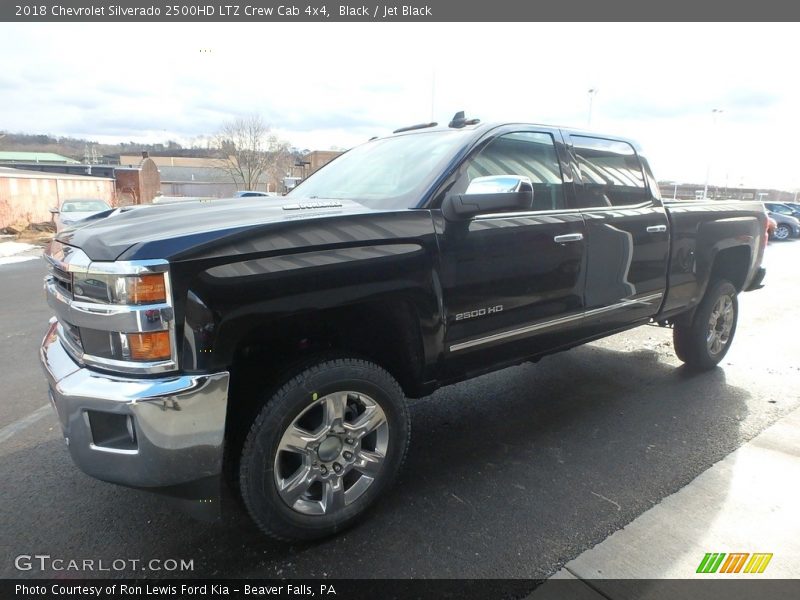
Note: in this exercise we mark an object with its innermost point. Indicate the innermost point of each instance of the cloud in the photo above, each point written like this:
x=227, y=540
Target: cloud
x=750, y=99
x=325, y=84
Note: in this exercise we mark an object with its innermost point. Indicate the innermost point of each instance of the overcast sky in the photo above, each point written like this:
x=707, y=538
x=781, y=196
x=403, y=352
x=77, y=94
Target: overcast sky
x=322, y=84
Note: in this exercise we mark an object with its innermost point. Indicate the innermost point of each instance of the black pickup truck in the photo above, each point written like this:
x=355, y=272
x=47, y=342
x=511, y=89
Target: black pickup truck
x=270, y=344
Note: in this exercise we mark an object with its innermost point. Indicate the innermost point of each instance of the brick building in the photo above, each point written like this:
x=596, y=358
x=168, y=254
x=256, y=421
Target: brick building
x=139, y=184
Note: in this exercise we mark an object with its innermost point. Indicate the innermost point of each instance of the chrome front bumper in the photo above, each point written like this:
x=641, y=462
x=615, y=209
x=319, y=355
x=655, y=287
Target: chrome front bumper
x=146, y=433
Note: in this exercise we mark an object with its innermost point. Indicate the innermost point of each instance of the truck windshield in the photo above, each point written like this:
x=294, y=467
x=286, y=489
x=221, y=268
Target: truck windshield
x=388, y=173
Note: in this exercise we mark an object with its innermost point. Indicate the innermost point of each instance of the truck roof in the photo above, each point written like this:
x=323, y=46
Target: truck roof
x=478, y=129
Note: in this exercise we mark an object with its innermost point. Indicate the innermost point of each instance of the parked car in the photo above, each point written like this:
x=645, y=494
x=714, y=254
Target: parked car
x=795, y=206
x=74, y=210
x=276, y=343
x=252, y=193
x=782, y=208
x=92, y=290
x=787, y=226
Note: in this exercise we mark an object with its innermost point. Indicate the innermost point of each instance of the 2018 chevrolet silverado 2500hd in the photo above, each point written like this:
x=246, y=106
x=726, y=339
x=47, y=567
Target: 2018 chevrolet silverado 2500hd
x=276, y=342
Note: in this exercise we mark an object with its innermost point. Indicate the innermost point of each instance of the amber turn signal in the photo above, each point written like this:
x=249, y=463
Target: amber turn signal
x=147, y=289
x=149, y=346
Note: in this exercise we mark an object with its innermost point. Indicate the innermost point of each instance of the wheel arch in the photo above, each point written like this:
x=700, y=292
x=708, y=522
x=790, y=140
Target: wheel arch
x=732, y=263
x=272, y=350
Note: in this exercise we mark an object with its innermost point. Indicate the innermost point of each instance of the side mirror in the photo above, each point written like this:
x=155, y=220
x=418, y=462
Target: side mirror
x=54, y=210
x=485, y=195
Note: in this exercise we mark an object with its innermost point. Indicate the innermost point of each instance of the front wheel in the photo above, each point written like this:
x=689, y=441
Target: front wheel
x=782, y=232
x=703, y=342
x=323, y=448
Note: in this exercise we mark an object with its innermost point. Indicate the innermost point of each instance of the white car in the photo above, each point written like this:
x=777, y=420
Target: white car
x=75, y=210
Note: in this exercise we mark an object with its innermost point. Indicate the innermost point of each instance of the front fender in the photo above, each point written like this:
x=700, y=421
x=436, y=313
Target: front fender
x=239, y=295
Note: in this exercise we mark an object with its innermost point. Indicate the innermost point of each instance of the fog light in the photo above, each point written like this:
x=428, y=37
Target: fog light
x=149, y=346
x=111, y=430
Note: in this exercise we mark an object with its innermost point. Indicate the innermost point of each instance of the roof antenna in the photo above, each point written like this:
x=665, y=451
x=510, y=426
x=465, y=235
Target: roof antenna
x=459, y=121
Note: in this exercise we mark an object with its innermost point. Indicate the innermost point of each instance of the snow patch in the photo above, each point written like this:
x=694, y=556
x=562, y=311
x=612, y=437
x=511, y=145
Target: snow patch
x=10, y=260
x=12, y=248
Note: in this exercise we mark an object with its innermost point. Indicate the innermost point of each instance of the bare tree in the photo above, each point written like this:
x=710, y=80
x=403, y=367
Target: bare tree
x=251, y=154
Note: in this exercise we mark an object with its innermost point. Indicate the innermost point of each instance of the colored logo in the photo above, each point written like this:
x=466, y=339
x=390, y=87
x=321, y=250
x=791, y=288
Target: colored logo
x=734, y=562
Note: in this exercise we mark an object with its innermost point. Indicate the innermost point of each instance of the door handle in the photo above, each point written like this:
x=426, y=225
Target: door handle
x=656, y=229
x=569, y=237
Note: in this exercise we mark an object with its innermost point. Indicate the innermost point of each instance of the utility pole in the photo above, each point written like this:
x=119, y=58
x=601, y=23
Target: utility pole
x=714, y=113
x=433, y=92
x=592, y=93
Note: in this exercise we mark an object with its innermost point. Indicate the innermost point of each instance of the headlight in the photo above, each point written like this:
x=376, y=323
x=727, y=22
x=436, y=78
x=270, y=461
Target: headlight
x=147, y=288
x=141, y=289
x=118, y=316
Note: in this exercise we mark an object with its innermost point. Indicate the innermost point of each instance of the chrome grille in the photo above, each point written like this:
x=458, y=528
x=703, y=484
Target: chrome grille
x=73, y=333
x=62, y=279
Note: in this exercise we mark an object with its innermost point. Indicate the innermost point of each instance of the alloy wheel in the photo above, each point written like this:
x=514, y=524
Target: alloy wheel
x=782, y=232
x=720, y=324
x=331, y=453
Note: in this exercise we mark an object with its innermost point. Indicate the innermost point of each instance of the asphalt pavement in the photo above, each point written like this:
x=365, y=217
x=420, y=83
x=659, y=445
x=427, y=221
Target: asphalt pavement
x=511, y=475
x=736, y=519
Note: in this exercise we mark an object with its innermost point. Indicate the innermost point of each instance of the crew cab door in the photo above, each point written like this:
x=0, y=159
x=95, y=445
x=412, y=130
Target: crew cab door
x=512, y=282
x=627, y=233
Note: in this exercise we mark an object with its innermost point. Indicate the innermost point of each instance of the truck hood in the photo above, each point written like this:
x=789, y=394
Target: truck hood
x=171, y=231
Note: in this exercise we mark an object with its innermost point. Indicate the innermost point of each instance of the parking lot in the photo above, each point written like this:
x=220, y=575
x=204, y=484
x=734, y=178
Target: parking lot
x=508, y=476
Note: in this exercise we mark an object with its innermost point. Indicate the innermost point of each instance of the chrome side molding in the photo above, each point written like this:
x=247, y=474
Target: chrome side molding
x=542, y=325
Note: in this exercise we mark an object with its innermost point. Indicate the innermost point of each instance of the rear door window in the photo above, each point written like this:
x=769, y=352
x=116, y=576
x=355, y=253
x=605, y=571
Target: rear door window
x=610, y=172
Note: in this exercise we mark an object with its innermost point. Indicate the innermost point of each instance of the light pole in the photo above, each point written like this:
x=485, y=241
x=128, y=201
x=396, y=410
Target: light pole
x=714, y=113
x=433, y=92
x=592, y=93
x=674, y=185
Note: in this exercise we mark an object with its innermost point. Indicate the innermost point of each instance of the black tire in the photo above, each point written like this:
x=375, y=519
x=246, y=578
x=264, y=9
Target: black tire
x=692, y=339
x=311, y=390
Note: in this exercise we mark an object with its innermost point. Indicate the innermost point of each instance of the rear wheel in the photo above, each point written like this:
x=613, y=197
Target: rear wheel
x=323, y=449
x=703, y=342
